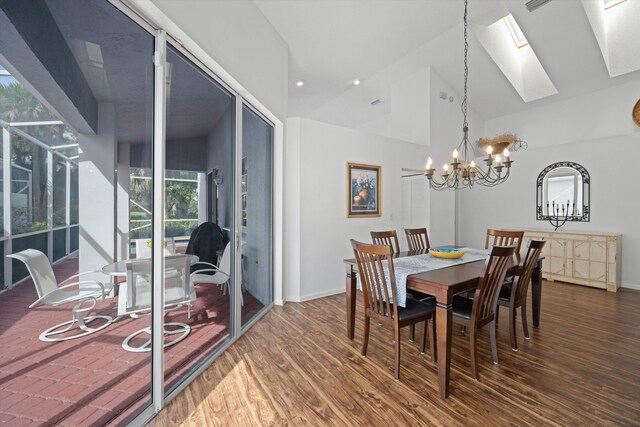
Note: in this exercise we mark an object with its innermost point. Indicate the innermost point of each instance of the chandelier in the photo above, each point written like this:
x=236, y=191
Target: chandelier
x=463, y=172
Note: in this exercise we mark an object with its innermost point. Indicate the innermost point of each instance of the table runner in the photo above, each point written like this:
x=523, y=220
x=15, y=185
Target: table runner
x=407, y=266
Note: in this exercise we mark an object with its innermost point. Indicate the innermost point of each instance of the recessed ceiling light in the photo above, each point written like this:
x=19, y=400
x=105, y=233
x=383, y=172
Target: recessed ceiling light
x=356, y=82
x=299, y=83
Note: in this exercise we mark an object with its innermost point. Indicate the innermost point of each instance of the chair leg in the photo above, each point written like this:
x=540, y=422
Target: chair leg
x=512, y=328
x=412, y=332
x=424, y=337
x=497, y=314
x=525, y=328
x=433, y=340
x=492, y=336
x=396, y=336
x=365, y=341
x=473, y=341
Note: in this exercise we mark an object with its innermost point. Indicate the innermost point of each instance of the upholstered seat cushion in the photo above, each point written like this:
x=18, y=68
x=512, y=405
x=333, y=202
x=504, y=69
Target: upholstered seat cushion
x=462, y=307
x=415, y=309
x=505, y=293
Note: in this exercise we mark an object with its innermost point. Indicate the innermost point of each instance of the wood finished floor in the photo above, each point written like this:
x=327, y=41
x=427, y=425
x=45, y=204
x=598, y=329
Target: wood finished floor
x=296, y=367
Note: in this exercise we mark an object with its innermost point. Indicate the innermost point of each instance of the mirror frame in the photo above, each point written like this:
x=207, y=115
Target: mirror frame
x=586, y=196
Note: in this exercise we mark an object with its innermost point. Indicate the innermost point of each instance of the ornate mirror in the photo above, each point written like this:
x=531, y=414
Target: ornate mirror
x=563, y=191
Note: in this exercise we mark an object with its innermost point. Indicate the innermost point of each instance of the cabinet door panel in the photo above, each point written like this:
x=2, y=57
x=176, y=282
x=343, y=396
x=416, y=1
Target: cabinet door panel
x=598, y=251
x=581, y=269
x=558, y=248
x=598, y=271
x=557, y=266
x=581, y=250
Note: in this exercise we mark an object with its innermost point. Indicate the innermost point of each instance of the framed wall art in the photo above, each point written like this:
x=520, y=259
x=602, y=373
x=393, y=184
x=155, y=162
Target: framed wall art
x=364, y=198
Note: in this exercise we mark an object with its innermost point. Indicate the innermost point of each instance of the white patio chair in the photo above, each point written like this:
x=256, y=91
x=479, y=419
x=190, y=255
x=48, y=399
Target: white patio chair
x=221, y=273
x=143, y=247
x=84, y=293
x=135, y=297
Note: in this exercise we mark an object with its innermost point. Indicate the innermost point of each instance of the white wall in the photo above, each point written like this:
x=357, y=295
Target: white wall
x=595, y=131
x=445, y=135
x=409, y=106
x=97, y=193
x=324, y=229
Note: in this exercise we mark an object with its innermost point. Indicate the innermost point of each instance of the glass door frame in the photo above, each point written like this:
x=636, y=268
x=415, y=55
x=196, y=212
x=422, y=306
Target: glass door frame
x=160, y=396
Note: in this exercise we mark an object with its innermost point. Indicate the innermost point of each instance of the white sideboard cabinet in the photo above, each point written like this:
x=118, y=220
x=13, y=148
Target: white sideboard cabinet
x=590, y=259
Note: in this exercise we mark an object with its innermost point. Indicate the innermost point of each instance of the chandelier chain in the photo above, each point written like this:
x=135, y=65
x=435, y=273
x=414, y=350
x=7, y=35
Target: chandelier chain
x=463, y=172
x=465, y=125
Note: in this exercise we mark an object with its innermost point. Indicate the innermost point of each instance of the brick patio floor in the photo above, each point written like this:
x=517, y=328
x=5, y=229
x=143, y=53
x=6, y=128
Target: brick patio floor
x=92, y=380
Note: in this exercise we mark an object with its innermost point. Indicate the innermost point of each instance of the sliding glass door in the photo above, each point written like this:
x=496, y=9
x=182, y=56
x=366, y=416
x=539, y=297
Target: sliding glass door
x=256, y=214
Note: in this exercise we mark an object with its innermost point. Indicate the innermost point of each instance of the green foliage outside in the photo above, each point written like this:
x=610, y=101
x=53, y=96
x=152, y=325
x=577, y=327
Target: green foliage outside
x=17, y=104
x=181, y=203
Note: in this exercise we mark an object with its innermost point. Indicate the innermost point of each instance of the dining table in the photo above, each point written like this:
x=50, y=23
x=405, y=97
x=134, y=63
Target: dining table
x=443, y=284
x=119, y=268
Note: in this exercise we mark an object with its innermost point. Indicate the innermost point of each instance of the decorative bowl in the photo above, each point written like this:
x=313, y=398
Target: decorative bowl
x=450, y=253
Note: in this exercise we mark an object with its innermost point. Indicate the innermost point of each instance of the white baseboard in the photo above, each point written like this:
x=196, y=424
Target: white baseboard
x=279, y=302
x=317, y=295
x=631, y=286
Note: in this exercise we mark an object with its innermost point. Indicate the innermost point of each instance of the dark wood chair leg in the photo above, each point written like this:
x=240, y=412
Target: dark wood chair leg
x=497, y=314
x=412, y=332
x=473, y=344
x=525, y=328
x=494, y=347
x=512, y=328
x=424, y=337
x=396, y=336
x=365, y=340
x=433, y=340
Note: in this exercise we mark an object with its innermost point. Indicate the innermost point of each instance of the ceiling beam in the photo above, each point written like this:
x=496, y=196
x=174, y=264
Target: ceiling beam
x=35, y=52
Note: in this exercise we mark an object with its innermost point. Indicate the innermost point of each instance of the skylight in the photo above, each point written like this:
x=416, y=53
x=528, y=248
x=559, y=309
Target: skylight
x=516, y=33
x=506, y=44
x=610, y=3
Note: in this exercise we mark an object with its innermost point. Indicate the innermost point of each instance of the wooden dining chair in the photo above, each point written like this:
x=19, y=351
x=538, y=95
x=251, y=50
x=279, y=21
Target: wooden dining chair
x=504, y=238
x=417, y=238
x=389, y=238
x=479, y=311
x=380, y=296
x=516, y=295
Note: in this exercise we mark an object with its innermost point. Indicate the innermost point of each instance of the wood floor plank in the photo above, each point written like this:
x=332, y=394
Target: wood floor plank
x=296, y=367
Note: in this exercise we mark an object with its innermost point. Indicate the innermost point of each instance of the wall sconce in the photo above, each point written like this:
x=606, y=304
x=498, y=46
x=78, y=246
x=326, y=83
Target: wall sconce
x=217, y=178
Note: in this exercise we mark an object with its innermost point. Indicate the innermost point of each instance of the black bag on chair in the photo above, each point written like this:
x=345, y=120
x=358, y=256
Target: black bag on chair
x=207, y=242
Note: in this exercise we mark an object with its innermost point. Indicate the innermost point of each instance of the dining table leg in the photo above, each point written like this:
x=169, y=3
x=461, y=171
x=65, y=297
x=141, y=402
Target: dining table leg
x=536, y=293
x=444, y=325
x=351, y=300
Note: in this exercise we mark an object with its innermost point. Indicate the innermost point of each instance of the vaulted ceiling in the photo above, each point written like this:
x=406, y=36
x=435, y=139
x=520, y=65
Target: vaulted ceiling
x=333, y=42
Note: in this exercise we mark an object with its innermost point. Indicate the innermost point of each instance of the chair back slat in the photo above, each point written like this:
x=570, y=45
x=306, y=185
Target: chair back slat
x=521, y=282
x=138, y=288
x=495, y=269
x=388, y=238
x=375, y=287
x=417, y=238
x=39, y=267
x=504, y=238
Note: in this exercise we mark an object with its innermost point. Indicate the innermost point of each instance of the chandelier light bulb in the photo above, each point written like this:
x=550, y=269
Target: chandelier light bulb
x=489, y=150
x=455, y=154
x=429, y=162
x=498, y=159
x=445, y=168
x=506, y=153
x=472, y=164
